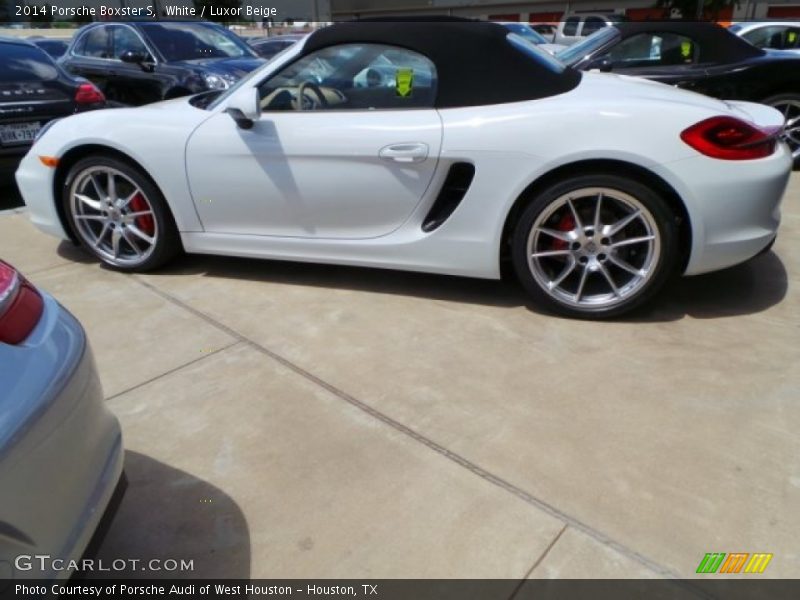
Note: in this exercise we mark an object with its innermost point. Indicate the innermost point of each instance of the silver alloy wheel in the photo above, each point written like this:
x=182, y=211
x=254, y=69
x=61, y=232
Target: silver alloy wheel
x=113, y=216
x=791, y=131
x=594, y=248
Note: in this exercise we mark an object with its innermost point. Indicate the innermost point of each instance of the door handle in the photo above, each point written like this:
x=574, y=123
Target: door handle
x=412, y=152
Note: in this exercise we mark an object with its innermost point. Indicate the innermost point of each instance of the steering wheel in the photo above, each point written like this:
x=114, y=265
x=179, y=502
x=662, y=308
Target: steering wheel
x=302, y=98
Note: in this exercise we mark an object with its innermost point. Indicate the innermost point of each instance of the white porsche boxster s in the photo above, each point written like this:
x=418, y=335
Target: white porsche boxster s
x=444, y=147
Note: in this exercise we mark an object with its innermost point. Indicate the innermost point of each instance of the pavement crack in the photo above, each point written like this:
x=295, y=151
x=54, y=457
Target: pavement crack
x=474, y=468
x=174, y=370
x=538, y=561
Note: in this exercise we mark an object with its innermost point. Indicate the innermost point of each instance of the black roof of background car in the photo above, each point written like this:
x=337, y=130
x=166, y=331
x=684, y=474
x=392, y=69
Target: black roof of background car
x=475, y=64
x=717, y=44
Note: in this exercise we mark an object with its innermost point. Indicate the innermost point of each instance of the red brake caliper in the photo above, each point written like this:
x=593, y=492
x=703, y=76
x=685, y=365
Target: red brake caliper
x=144, y=222
x=567, y=223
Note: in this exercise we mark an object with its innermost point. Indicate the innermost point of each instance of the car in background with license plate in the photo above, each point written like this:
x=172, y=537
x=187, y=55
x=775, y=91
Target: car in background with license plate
x=34, y=91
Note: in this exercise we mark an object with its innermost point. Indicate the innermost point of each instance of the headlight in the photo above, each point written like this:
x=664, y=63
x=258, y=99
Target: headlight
x=216, y=81
x=44, y=129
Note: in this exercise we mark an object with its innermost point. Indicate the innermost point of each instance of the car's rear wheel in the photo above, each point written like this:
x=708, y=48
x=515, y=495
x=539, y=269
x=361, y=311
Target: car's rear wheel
x=119, y=215
x=789, y=105
x=595, y=246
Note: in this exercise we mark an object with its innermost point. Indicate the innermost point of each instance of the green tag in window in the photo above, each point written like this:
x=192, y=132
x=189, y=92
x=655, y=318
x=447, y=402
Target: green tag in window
x=404, y=82
x=686, y=49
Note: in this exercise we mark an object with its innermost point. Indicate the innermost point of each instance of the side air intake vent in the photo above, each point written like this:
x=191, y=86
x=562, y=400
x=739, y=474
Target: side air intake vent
x=455, y=186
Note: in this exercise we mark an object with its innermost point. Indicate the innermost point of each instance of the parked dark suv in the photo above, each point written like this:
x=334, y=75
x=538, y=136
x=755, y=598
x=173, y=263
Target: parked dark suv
x=33, y=92
x=141, y=62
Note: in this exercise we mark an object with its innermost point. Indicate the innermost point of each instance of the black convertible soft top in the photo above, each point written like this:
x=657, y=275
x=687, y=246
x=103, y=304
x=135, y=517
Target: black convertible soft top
x=717, y=45
x=475, y=63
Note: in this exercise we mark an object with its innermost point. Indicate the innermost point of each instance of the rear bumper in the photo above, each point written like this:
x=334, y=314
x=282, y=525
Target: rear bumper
x=63, y=456
x=734, y=207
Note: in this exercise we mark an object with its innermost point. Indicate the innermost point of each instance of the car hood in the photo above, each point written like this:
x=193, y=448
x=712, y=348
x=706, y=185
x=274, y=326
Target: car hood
x=238, y=67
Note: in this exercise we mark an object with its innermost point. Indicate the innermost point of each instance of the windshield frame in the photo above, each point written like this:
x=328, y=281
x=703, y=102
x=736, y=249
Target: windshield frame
x=529, y=32
x=531, y=50
x=145, y=29
x=268, y=69
x=588, y=47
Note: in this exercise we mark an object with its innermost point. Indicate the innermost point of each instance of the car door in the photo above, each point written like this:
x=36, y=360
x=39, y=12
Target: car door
x=90, y=57
x=346, y=146
x=133, y=83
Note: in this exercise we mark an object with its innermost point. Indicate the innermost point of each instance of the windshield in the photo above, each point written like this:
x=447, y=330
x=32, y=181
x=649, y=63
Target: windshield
x=591, y=44
x=25, y=63
x=191, y=41
x=526, y=31
x=543, y=58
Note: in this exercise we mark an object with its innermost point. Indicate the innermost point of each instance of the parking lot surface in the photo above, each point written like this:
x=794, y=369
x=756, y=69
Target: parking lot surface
x=289, y=420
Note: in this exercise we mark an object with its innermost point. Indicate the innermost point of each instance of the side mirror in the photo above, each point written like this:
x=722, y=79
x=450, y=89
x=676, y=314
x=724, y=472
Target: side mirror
x=243, y=107
x=137, y=58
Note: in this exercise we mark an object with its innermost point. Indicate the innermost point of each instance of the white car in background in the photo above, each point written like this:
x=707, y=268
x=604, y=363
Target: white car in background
x=480, y=148
x=770, y=35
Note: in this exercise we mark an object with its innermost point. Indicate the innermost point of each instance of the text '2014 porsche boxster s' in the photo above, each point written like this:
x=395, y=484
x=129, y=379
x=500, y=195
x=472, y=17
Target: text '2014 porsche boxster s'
x=444, y=147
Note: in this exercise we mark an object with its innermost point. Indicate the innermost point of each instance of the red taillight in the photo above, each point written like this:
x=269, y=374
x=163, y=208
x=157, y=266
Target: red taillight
x=21, y=306
x=728, y=138
x=88, y=94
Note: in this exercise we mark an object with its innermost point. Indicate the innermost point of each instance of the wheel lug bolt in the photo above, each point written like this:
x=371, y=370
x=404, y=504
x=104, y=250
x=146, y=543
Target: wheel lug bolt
x=605, y=241
x=601, y=257
x=575, y=246
x=583, y=260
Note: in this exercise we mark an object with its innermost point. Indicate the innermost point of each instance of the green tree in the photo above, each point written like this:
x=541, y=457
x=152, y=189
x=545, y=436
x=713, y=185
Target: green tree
x=199, y=4
x=696, y=9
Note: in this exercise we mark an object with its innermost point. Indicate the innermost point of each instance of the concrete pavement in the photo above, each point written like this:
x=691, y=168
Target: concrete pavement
x=313, y=421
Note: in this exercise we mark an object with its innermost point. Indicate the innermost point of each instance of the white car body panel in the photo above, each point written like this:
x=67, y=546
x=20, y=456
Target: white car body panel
x=303, y=174
x=329, y=198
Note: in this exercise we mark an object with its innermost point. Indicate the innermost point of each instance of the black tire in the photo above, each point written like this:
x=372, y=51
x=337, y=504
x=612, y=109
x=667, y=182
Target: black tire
x=662, y=222
x=166, y=239
x=779, y=101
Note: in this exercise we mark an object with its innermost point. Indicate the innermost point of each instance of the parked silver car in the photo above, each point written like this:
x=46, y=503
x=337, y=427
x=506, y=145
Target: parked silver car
x=61, y=449
x=772, y=35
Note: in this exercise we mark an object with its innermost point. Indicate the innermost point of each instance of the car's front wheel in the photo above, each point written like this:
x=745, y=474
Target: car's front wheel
x=595, y=246
x=119, y=215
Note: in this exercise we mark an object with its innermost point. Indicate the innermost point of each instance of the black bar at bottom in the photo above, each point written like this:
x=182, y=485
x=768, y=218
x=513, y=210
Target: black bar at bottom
x=407, y=589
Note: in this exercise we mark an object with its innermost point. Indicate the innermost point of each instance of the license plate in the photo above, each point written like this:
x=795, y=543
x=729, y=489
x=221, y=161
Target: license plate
x=19, y=133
